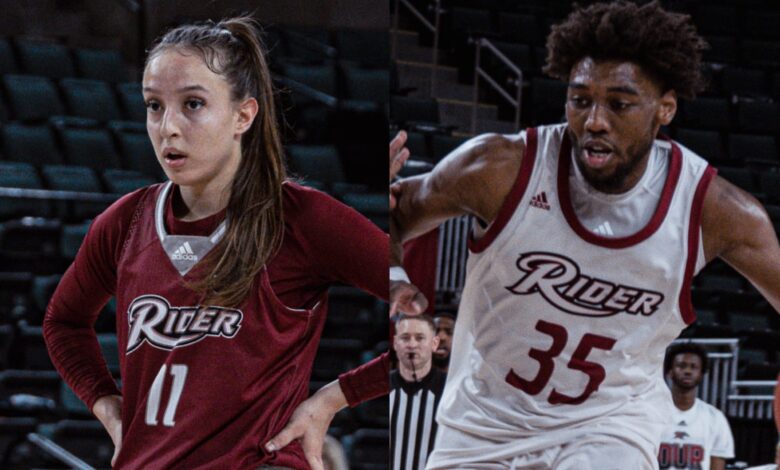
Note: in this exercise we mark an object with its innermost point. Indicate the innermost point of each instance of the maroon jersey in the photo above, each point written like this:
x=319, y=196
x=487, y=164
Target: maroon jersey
x=207, y=386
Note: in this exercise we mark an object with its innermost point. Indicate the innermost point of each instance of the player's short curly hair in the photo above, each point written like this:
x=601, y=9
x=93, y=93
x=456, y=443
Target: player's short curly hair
x=665, y=44
x=685, y=348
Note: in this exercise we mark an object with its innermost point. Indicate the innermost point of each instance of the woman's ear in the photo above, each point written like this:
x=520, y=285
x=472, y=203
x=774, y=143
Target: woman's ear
x=247, y=111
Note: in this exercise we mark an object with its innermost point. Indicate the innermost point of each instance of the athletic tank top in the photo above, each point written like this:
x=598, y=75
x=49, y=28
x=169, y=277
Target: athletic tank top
x=560, y=327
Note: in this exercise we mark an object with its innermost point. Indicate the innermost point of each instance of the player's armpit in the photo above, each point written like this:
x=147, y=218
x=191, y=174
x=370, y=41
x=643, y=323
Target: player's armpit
x=736, y=228
x=474, y=179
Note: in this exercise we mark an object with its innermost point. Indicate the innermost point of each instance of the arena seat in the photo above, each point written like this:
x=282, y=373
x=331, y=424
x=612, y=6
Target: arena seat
x=335, y=356
x=14, y=298
x=6, y=339
x=408, y=110
x=72, y=236
x=100, y=64
x=548, y=98
x=91, y=147
x=33, y=144
x=761, y=53
x=366, y=84
x=92, y=99
x=707, y=144
x=320, y=77
x=136, y=148
x=374, y=413
x=33, y=236
x=125, y=181
x=369, y=449
x=717, y=19
x=7, y=59
x=74, y=178
x=762, y=23
x=519, y=28
x=316, y=162
x=723, y=50
x=758, y=117
x=371, y=48
x=132, y=100
x=13, y=431
x=46, y=59
x=41, y=290
x=746, y=82
x=41, y=383
x=29, y=350
x=753, y=148
x=32, y=98
x=741, y=177
x=705, y=113
x=21, y=175
x=87, y=440
x=417, y=144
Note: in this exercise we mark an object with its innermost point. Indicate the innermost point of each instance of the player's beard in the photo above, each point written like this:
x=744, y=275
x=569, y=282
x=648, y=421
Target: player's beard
x=441, y=361
x=615, y=181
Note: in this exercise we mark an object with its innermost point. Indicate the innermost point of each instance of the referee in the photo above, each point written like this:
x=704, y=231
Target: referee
x=415, y=390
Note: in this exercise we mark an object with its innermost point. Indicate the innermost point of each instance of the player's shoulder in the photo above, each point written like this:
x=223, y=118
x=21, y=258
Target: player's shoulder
x=711, y=411
x=300, y=200
x=492, y=149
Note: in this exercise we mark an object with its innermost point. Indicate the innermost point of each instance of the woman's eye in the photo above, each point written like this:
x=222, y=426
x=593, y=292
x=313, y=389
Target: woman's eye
x=194, y=104
x=152, y=105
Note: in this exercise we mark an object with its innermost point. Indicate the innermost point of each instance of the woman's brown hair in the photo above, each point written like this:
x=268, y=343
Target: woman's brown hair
x=232, y=48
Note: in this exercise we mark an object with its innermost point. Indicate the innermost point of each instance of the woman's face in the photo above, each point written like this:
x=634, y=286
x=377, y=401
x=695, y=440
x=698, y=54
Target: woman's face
x=194, y=125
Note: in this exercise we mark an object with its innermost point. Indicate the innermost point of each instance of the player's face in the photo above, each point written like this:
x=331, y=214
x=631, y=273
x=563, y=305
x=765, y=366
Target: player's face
x=686, y=372
x=614, y=111
x=414, y=343
x=192, y=120
x=444, y=329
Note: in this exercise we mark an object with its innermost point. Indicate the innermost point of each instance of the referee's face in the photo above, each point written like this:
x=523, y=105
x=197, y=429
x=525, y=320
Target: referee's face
x=414, y=343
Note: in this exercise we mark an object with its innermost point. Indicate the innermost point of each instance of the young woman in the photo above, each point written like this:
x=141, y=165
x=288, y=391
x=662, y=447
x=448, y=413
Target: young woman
x=220, y=275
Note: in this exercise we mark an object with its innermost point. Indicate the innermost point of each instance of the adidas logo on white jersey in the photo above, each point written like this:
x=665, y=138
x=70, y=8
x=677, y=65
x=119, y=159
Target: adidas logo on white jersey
x=184, y=252
x=540, y=201
x=604, y=229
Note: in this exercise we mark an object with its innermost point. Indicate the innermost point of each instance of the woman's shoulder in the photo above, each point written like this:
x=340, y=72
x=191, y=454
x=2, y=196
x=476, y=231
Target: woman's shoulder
x=303, y=201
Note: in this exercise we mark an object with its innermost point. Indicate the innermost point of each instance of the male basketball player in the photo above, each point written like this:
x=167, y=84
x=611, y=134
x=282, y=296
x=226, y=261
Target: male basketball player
x=589, y=235
x=699, y=436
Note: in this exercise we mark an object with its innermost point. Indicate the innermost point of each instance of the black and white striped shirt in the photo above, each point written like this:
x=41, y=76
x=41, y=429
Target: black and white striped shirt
x=413, y=418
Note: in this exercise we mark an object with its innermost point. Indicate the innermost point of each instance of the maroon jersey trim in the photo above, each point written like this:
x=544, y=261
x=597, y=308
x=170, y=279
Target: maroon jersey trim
x=512, y=200
x=686, y=306
x=564, y=164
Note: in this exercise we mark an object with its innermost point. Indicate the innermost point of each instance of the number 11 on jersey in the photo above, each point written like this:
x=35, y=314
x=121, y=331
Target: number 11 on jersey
x=179, y=373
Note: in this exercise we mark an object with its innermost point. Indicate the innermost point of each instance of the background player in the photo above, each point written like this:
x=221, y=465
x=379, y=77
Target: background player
x=260, y=251
x=582, y=387
x=700, y=437
x=445, y=325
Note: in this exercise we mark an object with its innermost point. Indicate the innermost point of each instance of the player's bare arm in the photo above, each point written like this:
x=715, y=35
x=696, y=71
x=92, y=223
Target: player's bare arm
x=717, y=463
x=474, y=179
x=737, y=229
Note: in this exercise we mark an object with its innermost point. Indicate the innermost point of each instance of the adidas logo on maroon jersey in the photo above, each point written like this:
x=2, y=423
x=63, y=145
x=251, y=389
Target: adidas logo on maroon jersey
x=152, y=319
x=540, y=201
x=558, y=280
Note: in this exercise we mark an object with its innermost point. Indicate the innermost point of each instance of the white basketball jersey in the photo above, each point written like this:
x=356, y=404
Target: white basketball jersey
x=697, y=435
x=561, y=330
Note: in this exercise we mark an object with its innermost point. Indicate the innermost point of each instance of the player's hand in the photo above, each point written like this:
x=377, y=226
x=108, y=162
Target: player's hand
x=309, y=423
x=406, y=298
x=398, y=156
x=108, y=410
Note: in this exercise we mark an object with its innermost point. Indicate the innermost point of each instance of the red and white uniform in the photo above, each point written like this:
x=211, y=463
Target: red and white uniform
x=206, y=387
x=697, y=434
x=561, y=332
